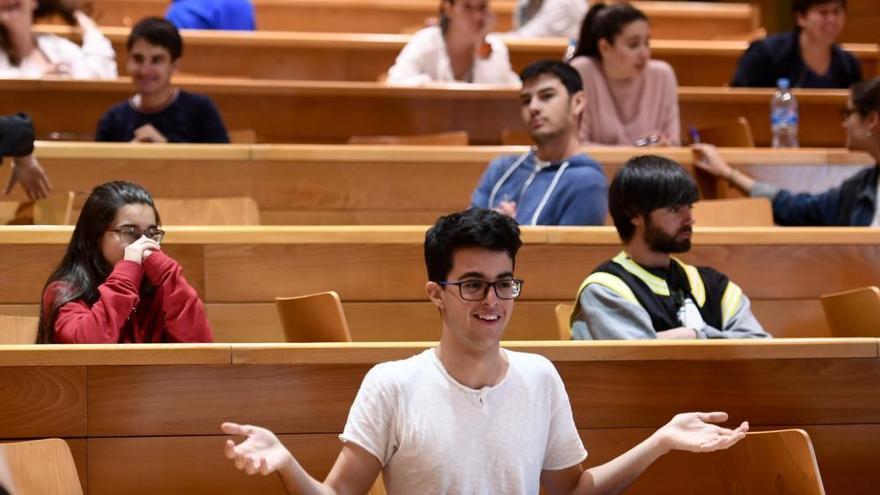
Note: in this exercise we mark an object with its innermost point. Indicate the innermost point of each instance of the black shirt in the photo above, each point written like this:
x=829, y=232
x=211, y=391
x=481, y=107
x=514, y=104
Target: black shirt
x=191, y=118
x=779, y=56
x=16, y=135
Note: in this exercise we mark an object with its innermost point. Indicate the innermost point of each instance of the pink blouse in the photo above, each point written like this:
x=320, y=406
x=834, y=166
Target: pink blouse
x=621, y=112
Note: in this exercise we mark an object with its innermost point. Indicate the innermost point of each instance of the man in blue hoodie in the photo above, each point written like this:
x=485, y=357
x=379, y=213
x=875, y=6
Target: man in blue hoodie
x=553, y=183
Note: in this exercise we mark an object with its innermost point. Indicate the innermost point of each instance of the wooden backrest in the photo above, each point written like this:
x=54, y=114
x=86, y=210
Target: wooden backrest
x=242, y=136
x=55, y=209
x=313, y=318
x=208, y=211
x=18, y=329
x=781, y=461
x=39, y=467
x=516, y=138
x=736, y=212
x=454, y=138
x=563, y=320
x=853, y=313
x=731, y=134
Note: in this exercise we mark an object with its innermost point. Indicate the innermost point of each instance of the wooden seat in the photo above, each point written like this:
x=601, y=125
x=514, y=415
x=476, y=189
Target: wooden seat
x=38, y=467
x=853, y=313
x=18, y=329
x=313, y=318
x=510, y=137
x=563, y=320
x=208, y=211
x=730, y=134
x=783, y=459
x=55, y=209
x=242, y=136
x=737, y=212
x=454, y=138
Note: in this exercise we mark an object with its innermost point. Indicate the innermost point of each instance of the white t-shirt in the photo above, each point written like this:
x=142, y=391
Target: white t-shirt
x=434, y=435
x=549, y=18
x=95, y=59
x=424, y=59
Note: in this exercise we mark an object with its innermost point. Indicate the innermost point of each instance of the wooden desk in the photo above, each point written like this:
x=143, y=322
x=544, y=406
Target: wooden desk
x=704, y=20
x=342, y=184
x=145, y=419
x=363, y=57
x=238, y=272
x=297, y=111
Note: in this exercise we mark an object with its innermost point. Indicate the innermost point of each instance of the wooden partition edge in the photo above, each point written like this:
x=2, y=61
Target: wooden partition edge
x=115, y=354
x=715, y=350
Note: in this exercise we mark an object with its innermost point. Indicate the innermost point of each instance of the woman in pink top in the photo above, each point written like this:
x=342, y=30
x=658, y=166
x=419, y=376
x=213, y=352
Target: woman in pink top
x=631, y=99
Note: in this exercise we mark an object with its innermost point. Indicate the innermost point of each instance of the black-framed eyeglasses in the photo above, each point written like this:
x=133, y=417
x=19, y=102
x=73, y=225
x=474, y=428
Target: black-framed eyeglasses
x=476, y=290
x=130, y=233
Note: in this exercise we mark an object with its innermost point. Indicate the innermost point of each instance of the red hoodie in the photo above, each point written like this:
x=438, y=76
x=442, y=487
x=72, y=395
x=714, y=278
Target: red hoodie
x=172, y=314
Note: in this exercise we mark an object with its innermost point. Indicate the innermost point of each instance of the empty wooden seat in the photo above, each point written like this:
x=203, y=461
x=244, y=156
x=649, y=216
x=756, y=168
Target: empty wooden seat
x=453, y=138
x=511, y=137
x=853, y=313
x=208, y=211
x=736, y=212
x=313, y=318
x=55, y=209
x=735, y=133
x=18, y=329
x=38, y=467
x=563, y=320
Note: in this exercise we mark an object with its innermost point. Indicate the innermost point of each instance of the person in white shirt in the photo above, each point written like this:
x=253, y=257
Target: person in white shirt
x=24, y=55
x=459, y=49
x=468, y=416
x=549, y=18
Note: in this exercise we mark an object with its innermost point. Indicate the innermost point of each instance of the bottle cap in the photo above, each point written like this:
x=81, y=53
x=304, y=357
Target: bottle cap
x=783, y=83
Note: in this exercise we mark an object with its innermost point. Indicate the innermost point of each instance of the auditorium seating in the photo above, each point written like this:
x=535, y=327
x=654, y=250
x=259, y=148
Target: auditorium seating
x=363, y=57
x=332, y=112
x=145, y=418
x=314, y=184
x=38, y=466
x=704, y=20
x=379, y=273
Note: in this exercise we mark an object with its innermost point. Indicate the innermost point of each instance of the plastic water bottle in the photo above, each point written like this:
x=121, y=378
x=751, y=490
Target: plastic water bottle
x=784, y=116
x=569, y=50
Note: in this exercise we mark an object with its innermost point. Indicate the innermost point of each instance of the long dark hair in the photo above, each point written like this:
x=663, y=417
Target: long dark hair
x=46, y=8
x=83, y=267
x=605, y=22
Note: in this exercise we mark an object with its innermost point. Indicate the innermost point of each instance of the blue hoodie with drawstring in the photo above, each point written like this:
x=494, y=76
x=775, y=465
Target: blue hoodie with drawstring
x=573, y=191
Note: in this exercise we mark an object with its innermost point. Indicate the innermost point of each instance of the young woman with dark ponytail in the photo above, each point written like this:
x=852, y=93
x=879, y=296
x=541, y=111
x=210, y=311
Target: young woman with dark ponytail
x=631, y=99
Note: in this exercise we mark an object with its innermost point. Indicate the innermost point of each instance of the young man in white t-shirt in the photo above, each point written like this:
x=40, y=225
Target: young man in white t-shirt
x=468, y=416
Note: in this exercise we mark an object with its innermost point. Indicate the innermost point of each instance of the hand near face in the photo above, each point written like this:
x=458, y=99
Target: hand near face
x=27, y=171
x=148, y=134
x=694, y=432
x=261, y=452
x=507, y=208
x=140, y=249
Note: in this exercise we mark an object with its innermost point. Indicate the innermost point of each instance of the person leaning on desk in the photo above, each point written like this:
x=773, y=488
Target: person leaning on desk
x=17, y=140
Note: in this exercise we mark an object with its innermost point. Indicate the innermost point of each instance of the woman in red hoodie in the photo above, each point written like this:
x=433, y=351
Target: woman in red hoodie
x=115, y=285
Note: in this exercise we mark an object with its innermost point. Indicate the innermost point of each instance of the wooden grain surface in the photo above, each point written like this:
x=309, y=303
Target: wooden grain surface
x=705, y=20
x=363, y=57
x=308, y=111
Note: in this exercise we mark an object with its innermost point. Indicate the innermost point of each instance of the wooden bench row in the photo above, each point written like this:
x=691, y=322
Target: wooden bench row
x=704, y=20
x=363, y=57
x=348, y=184
x=145, y=419
x=332, y=112
x=239, y=271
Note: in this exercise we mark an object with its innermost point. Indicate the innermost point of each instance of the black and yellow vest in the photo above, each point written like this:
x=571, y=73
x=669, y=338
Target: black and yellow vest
x=716, y=297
